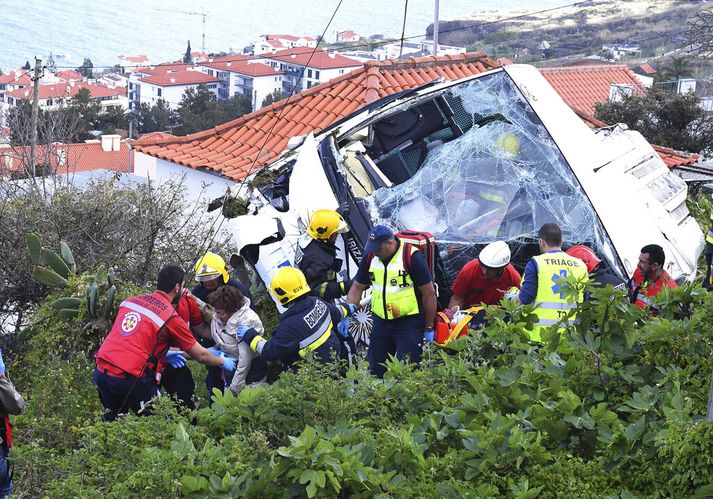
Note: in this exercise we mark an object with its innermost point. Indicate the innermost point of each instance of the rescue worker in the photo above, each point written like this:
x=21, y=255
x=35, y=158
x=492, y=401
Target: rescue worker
x=11, y=402
x=485, y=279
x=308, y=325
x=318, y=260
x=600, y=276
x=211, y=273
x=176, y=377
x=540, y=281
x=649, y=277
x=403, y=299
x=145, y=328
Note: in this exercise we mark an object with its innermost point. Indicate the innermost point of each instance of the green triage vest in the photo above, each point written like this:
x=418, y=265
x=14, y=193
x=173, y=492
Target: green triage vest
x=553, y=307
x=392, y=291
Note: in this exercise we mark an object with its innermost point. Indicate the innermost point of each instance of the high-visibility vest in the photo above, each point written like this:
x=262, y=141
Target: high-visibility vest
x=709, y=236
x=130, y=345
x=392, y=291
x=553, y=307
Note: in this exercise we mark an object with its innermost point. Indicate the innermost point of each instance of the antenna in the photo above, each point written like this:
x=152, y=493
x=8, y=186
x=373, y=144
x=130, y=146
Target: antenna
x=202, y=13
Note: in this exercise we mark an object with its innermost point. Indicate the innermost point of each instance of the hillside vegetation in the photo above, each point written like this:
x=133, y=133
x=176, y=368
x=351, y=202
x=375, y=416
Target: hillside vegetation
x=579, y=30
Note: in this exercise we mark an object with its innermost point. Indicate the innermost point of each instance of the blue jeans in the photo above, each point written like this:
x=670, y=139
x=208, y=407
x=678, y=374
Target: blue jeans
x=402, y=338
x=5, y=473
x=120, y=394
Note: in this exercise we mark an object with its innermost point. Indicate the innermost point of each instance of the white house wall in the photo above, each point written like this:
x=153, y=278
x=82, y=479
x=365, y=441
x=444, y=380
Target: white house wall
x=198, y=184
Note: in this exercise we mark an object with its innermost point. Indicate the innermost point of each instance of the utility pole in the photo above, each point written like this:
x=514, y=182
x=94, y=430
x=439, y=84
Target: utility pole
x=128, y=142
x=435, y=30
x=35, y=109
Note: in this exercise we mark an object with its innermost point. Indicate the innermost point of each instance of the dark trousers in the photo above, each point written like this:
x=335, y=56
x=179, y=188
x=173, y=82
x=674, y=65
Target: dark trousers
x=179, y=384
x=402, y=338
x=709, y=259
x=5, y=472
x=214, y=379
x=120, y=394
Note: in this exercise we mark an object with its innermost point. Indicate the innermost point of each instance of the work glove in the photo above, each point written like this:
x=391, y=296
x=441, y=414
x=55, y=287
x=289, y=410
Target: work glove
x=175, y=359
x=343, y=328
x=240, y=332
x=2, y=364
x=352, y=308
x=228, y=363
x=215, y=351
x=429, y=335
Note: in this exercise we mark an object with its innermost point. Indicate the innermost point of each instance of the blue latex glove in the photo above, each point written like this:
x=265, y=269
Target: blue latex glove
x=352, y=308
x=429, y=335
x=215, y=351
x=512, y=293
x=175, y=359
x=2, y=364
x=343, y=328
x=240, y=332
x=228, y=363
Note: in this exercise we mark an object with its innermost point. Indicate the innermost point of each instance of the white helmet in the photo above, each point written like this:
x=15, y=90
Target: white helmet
x=495, y=255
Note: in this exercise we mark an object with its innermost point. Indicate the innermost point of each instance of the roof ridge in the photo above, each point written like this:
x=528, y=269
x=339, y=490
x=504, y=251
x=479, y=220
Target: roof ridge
x=583, y=69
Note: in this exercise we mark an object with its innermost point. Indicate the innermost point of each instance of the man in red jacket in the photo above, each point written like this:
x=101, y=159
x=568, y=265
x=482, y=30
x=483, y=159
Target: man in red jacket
x=145, y=328
x=649, y=277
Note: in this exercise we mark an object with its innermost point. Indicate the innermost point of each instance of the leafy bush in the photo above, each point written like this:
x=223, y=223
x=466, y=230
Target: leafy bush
x=611, y=407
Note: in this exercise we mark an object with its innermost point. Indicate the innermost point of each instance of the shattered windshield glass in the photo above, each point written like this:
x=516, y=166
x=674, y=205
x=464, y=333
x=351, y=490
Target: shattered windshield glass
x=500, y=180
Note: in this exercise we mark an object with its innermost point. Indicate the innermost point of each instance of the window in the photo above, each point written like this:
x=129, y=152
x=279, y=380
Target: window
x=213, y=85
x=309, y=73
x=131, y=86
x=159, y=92
x=49, y=102
x=316, y=74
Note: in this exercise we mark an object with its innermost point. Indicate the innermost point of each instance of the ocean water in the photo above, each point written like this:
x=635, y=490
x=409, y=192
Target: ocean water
x=104, y=29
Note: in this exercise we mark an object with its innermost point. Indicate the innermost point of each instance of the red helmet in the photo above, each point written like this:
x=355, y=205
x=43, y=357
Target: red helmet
x=585, y=254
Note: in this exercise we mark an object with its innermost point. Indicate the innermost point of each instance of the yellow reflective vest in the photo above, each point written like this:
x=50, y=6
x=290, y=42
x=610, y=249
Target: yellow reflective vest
x=709, y=236
x=392, y=291
x=553, y=307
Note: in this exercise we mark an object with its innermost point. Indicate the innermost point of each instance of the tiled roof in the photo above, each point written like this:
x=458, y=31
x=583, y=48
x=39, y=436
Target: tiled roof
x=347, y=34
x=70, y=75
x=74, y=157
x=172, y=78
x=232, y=58
x=244, y=68
x=584, y=86
x=313, y=58
x=243, y=146
x=66, y=90
x=156, y=135
x=18, y=77
x=134, y=59
x=671, y=157
x=291, y=38
x=647, y=68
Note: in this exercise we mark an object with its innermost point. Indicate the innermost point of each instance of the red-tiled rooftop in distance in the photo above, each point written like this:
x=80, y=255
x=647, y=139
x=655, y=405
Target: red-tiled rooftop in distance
x=18, y=77
x=584, y=86
x=232, y=58
x=647, y=68
x=671, y=157
x=134, y=59
x=172, y=78
x=66, y=90
x=238, y=148
x=320, y=59
x=70, y=75
x=244, y=68
x=68, y=158
x=291, y=38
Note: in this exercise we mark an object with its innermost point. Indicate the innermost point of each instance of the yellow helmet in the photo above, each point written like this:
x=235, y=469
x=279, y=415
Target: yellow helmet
x=288, y=283
x=509, y=143
x=324, y=223
x=210, y=267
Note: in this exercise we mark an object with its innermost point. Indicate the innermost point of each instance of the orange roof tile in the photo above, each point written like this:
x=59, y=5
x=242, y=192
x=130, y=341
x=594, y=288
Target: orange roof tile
x=240, y=147
x=70, y=75
x=244, y=68
x=172, y=78
x=584, y=86
x=68, y=158
x=313, y=58
x=17, y=77
x=671, y=157
x=66, y=90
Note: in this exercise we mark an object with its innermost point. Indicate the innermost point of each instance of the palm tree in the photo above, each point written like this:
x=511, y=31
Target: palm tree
x=678, y=68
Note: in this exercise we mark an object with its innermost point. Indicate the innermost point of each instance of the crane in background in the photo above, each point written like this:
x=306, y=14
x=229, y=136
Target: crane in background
x=202, y=13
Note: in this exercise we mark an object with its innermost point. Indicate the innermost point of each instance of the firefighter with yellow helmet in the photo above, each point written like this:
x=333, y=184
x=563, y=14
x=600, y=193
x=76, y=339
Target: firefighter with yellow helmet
x=308, y=325
x=318, y=260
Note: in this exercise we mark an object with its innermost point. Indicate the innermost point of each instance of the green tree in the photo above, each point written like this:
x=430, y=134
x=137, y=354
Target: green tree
x=86, y=69
x=111, y=118
x=156, y=118
x=200, y=109
x=664, y=118
x=275, y=96
x=51, y=65
x=678, y=68
x=27, y=65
